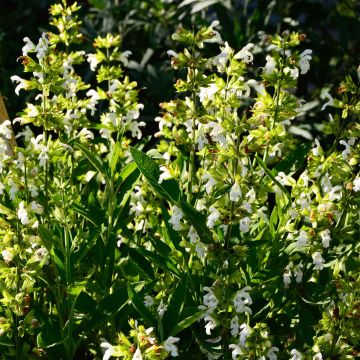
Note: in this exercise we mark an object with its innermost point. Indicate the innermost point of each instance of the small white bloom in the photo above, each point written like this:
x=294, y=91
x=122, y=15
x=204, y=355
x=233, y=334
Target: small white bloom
x=210, y=325
x=318, y=261
x=294, y=73
x=137, y=355
x=149, y=301
x=356, y=184
x=271, y=353
x=245, y=54
x=124, y=57
x=335, y=193
x=22, y=214
x=242, y=299
x=270, y=65
x=326, y=95
x=298, y=273
x=245, y=224
x=5, y=129
x=172, y=53
x=208, y=93
x=165, y=174
x=93, y=61
x=302, y=239
x=244, y=333
x=317, y=150
x=22, y=84
x=236, y=351
x=107, y=348
x=7, y=255
x=28, y=47
x=193, y=235
x=169, y=345
x=176, y=216
x=235, y=192
x=296, y=355
x=210, y=299
x=213, y=217
x=200, y=249
x=37, y=208
x=304, y=61
x=325, y=238
x=161, y=308
x=234, y=326
x=317, y=356
x=40, y=254
x=42, y=47
x=345, y=154
x=287, y=276
x=134, y=127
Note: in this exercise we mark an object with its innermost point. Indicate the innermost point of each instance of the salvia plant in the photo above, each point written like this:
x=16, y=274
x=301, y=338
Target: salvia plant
x=230, y=238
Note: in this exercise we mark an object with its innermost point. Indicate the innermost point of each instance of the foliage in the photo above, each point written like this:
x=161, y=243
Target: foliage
x=229, y=238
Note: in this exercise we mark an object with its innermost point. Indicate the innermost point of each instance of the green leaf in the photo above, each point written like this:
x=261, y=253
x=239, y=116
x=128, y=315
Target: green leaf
x=114, y=157
x=93, y=216
x=95, y=161
x=141, y=260
x=176, y=302
x=161, y=247
x=162, y=261
x=187, y=322
x=198, y=221
x=294, y=160
x=46, y=237
x=151, y=171
x=140, y=307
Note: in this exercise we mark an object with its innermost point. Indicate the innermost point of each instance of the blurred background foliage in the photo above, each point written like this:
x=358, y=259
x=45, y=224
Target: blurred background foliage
x=332, y=28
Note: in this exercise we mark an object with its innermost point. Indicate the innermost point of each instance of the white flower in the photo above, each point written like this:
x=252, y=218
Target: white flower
x=22, y=214
x=298, y=273
x=235, y=192
x=213, y=217
x=207, y=93
x=134, y=127
x=176, y=216
x=304, y=62
x=137, y=355
x=169, y=345
x=93, y=61
x=317, y=356
x=356, y=184
x=5, y=129
x=302, y=239
x=317, y=150
x=318, y=260
x=7, y=255
x=325, y=238
x=108, y=348
x=221, y=60
x=200, y=249
x=161, y=308
x=294, y=73
x=234, y=326
x=22, y=84
x=172, y=53
x=296, y=355
x=94, y=97
x=326, y=95
x=124, y=57
x=271, y=353
x=237, y=351
x=270, y=65
x=37, y=208
x=258, y=87
x=244, y=333
x=42, y=47
x=165, y=174
x=210, y=325
x=345, y=154
x=335, y=193
x=40, y=254
x=193, y=235
x=245, y=224
x=149, y=301
x=210, y=299
x=287, y=276
x=245, y=54
x=29, y=46
x=242, y=299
